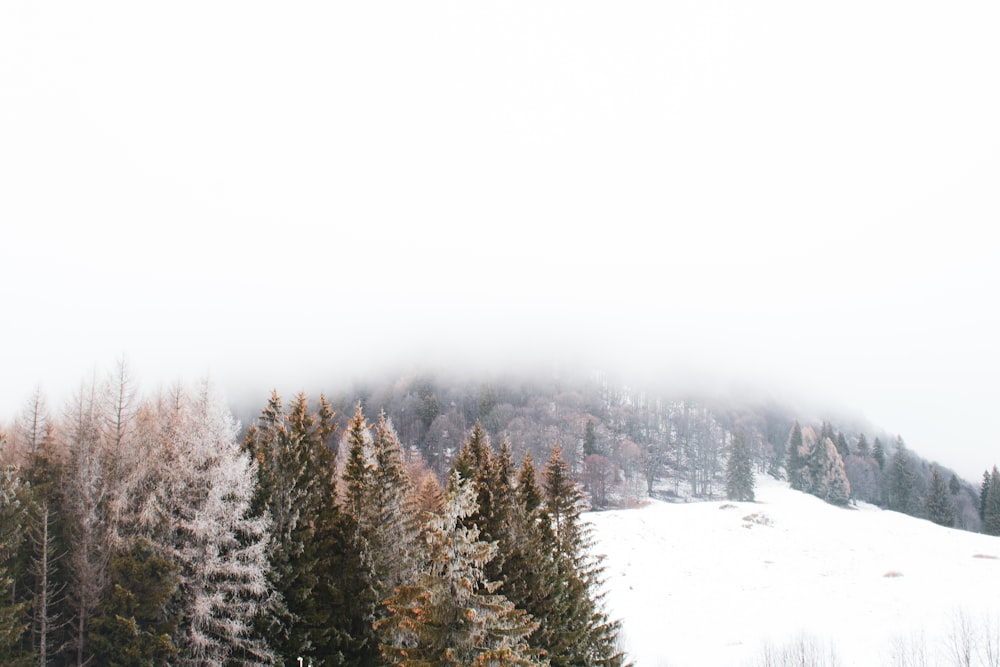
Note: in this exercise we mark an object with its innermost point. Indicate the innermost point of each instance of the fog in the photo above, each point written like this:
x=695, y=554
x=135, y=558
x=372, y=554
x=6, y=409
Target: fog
x=769, y=197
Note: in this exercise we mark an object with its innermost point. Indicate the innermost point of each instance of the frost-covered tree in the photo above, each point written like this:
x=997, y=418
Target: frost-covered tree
x=13, y=611
x=385, y=532
x=827, y=477
x=200, y=513
x=739, y=471
x=450, y=615
x=938, y=504
x=878, y=453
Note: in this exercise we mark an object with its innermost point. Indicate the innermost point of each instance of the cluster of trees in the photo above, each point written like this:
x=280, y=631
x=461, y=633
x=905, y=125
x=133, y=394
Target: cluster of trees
x=625, y=444
x=145, y=532
x=989, y=502
x=840, y=469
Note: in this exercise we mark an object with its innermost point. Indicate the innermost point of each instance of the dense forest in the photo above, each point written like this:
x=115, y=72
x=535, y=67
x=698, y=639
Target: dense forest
x=425, y=520
x=150, y=530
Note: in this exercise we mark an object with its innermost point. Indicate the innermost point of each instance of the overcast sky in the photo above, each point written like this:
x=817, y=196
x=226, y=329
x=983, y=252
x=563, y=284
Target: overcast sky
x=799, y=196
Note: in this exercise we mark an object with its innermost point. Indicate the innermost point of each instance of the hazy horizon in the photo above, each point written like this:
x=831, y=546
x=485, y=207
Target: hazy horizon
x=799, y=200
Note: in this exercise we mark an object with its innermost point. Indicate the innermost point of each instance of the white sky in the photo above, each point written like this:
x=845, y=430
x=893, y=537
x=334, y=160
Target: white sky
x=804, y=196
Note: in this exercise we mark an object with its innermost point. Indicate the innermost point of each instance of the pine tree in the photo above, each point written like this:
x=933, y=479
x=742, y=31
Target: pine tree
x=842, y=447
x=938, y=505
x=954, y=486
x=200, y=514
x=901, y=479
x=796, y=475
x=450, y=615
x=385, y=532
x=314, y=569
x=590, y=439
x=133, y=627
x=878, y=453
x=991, y=520
x=13, y=612
x=984, y=491
x=580, y=629
x=739, y=471
x=864, y=450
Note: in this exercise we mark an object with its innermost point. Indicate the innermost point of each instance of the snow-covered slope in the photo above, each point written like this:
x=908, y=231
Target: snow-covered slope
x=703, y=585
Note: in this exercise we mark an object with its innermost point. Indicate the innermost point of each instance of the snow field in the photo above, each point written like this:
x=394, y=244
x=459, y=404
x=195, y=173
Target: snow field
x=707, y=584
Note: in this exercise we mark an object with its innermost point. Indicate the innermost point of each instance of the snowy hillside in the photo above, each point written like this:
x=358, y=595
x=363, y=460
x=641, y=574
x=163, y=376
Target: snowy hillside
x=707, y=584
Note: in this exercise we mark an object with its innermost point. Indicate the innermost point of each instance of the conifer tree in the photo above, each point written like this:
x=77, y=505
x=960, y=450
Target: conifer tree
x=991, y=520
x=878, y=453
x=901, y=479
x=954, y=485
x=199, y=512
x=13, y=612
x=385, y=532
x=581, y=630
x=450, y=615
x=739, y=471
x=984, y=491
x=827, y=478
x=314, y=567
x=796, y=465
x=842, y=448
x=938, y=505
x=134, y=626
x=864, y=450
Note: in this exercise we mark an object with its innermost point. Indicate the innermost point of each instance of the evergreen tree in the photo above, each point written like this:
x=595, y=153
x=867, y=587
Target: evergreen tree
x=864, y=450
x=582, y=634
x=385, y=533
x=200, y=513
x=901, y=479
x=842, y=447
x=450, y=615
x=589, y=439
x=796, y=466
x=984, y=491
x=739, y=472
x=938, y=505
x=878, y=453
x=991, y=520
x=315, y=571
x=13, y=612
x=133, y=627
x=954, y=486
x=826, y=476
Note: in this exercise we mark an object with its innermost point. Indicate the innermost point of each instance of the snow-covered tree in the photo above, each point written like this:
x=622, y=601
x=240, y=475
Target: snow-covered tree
x=739, y=472
x=938, y=505
x=450, y=614
x=991, y=515
x=200, y=512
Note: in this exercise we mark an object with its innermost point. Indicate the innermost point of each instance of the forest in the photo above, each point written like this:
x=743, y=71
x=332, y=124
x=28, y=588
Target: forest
x=421, y=520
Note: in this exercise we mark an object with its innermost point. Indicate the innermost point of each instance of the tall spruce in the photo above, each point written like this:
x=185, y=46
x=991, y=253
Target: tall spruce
x=739, y=470
x=450, y=614
x=796, y=464
x=878, y=453
x=582, y=634
x=901, y=479
x=938, y=505
x=385, y=531
x=313, y=567
x=991, y=516
x=984, y=492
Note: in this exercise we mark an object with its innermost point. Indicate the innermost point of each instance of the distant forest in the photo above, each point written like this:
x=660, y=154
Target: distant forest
x=625, y=444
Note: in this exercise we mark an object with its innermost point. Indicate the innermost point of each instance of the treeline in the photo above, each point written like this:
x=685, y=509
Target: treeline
x=625, y=444
x=841, y=469
x=149, y=531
